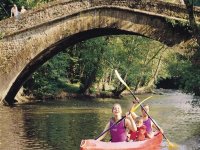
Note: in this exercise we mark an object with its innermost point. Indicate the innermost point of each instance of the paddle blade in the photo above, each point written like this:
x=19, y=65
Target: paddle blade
x=136, y=107
x=172, y=146
x=122, y=81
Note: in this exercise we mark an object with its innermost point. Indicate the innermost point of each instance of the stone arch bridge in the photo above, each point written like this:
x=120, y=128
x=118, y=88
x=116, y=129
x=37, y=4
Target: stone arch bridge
x=38, y=35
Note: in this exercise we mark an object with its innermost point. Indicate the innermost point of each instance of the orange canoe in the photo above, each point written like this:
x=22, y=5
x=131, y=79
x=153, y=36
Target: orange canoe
x=149, y=144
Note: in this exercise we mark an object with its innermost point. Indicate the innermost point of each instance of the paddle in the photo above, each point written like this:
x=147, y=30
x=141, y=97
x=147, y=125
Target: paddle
x=138, y=105
x=171, y=145
x=132, y=110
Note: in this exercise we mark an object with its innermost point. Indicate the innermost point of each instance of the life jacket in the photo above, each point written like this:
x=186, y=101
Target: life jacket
x=138, y=135
x=147, y=123
x=118, y=131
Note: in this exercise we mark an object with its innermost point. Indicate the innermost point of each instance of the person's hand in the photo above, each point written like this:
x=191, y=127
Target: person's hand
x=128, y=137
x=136, y=100
x=128, y=115
x=161, y=130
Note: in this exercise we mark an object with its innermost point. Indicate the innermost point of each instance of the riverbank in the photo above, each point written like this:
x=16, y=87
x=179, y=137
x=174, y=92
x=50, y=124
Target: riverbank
x=21, y=97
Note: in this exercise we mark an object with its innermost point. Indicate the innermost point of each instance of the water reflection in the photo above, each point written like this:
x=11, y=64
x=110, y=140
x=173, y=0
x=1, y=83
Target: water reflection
x=62, y=125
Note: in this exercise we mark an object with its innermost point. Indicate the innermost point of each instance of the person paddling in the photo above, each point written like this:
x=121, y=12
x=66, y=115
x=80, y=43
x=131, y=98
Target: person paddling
x=150, y=126
x=118, y=132
x=141, y=133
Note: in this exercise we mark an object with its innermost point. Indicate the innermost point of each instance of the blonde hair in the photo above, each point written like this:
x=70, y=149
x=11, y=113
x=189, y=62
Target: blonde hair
x=145, y=105
x=116, y=104
x=138, y=120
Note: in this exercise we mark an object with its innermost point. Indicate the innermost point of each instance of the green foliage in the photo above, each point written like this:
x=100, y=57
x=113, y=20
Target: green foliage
x=91, y=62
x=6, y=5
x=177, y=65
x=187, y=70
x=190, y=75
x=51, y=77
x=88, y=61
x=195, y=2
x=191, y=80
x=28, y=3
x=132, y=56
x=140, y=61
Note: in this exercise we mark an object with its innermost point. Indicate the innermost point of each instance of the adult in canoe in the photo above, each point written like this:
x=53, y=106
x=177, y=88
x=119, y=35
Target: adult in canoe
x=150, y=126
x=118, y=131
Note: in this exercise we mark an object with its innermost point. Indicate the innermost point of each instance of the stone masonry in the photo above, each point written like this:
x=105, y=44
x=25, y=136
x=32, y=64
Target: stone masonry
x=39, y=34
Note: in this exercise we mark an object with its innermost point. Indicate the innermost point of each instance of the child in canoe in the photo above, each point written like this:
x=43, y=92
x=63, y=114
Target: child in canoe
x=141, y=133
x=147, y=121
x=118, y=132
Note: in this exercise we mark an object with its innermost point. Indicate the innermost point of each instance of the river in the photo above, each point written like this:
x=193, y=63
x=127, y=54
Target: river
x=60, y=125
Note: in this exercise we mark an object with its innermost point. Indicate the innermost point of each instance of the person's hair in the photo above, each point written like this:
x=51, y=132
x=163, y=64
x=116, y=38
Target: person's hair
x=115, y=105
x=145, y=105
x=138, y=120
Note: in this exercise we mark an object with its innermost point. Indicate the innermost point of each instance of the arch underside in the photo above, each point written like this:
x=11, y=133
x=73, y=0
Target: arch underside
x=43, y=42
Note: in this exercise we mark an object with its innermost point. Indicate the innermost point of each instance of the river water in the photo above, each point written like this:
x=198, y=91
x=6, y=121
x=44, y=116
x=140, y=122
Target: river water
x=60, y=125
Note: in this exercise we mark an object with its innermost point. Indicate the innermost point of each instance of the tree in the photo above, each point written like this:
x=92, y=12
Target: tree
x=91, y=60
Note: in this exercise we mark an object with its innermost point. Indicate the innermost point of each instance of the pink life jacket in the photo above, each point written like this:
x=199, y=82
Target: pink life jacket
x=118, y=131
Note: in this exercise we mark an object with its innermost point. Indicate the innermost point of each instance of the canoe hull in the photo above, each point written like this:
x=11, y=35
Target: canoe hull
x=150, y=144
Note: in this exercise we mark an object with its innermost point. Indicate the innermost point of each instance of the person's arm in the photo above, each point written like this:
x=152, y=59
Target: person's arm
x=156, y=127
x=130, y=123
x=148, y=135
x=104, y=135
x=134, y=115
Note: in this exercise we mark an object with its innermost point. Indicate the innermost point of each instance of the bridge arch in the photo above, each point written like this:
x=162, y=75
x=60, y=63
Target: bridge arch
x=27, y=49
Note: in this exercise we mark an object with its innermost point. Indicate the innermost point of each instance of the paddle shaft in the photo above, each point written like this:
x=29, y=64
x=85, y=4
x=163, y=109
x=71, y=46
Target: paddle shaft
x=124, y=83
x=110, y=127
x=122, y=118
x=146, y=112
